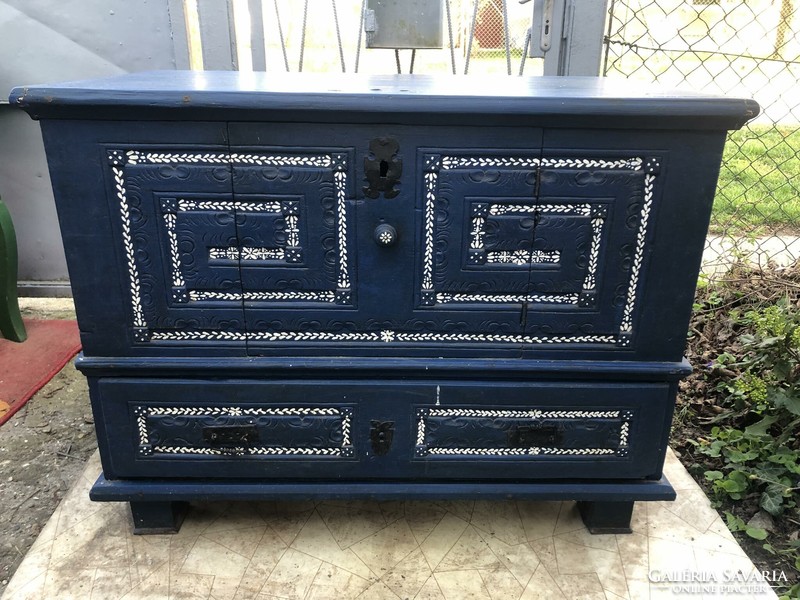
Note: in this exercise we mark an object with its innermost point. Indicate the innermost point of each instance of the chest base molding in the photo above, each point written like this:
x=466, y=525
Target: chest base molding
x=605, y=506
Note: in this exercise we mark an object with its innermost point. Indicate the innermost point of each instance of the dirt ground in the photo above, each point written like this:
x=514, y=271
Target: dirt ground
x=43, y=448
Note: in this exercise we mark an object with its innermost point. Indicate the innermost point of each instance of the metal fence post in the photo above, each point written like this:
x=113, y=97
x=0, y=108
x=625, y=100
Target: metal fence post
x=575, y=32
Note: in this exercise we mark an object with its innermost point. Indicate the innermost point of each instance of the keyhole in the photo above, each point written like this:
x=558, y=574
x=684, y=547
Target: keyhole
x=384, y=168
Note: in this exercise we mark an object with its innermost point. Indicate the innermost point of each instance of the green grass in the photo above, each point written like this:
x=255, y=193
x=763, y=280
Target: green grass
x=759, y=184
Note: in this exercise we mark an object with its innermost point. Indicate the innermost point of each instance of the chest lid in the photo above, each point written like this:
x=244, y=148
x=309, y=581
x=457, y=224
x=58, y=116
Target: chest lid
x=592, y=102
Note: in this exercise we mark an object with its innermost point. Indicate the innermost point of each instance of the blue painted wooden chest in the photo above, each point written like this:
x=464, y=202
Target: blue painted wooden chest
x=397, y=287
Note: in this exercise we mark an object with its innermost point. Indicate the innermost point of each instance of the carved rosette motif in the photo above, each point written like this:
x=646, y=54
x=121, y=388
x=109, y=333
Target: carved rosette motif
x=146, y=430
x=428, y=444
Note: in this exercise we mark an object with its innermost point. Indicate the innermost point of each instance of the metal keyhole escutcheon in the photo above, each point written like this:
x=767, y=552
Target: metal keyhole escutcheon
x=381, y=434
x=385, y=235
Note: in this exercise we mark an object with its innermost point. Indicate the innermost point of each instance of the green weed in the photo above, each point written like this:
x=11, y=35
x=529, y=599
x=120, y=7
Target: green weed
x=757, y=454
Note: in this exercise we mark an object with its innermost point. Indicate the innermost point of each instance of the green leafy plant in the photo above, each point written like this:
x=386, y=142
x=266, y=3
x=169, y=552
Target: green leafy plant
x=737, y=524
x=739, y=413
x=758, y=452
x=763, y=455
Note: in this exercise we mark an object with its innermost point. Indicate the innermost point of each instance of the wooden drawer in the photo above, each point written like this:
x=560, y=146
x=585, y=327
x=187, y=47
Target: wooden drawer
x=237, y=431
x=420, y=430
x=223, y=428
x=543, y=430
x=522, y=432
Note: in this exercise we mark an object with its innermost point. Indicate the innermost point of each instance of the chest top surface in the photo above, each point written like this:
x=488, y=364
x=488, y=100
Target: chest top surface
x=233, y=96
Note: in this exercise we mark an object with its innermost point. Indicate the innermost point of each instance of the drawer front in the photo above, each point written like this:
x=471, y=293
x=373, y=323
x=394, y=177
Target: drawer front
x=230, y=428
x=239, y=431
x=380, y=430
x=543, y=430
x=522, y=432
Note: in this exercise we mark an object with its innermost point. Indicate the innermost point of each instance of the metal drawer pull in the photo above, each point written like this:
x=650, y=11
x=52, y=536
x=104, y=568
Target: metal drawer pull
x=225, y=435
x=528, y=436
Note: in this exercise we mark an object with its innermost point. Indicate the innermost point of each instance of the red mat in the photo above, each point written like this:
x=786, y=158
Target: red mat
x=26, y=367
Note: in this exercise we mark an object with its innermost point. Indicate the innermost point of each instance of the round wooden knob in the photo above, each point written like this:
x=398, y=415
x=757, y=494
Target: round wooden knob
x=385, y=235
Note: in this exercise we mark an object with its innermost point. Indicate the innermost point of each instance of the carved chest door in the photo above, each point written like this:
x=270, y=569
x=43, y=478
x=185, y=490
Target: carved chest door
x=559, y=239
x=211, y=237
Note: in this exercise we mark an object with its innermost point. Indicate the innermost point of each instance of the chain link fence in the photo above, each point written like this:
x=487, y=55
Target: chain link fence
x=747, y=48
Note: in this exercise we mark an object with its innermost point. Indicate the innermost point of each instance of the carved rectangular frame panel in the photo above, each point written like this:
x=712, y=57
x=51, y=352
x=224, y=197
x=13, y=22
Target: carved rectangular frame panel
x=292, y=253
x=153, y=420
x=477, y=254
x=170, y=207
x=618, y=423
x=436, y=162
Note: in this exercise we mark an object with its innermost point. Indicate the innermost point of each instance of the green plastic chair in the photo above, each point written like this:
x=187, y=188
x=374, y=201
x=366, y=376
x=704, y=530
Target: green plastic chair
x=11, y=325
